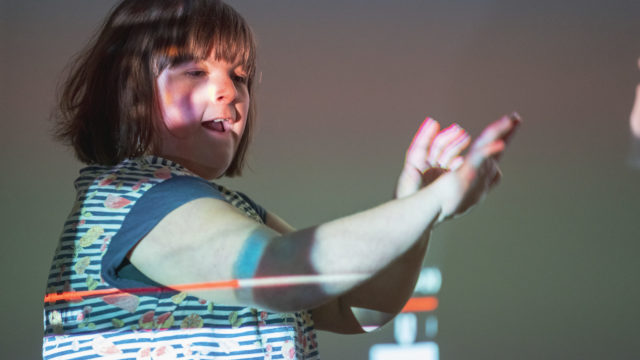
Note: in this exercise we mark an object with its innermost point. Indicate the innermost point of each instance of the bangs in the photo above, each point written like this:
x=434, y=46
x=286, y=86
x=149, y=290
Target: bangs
x=210, y=29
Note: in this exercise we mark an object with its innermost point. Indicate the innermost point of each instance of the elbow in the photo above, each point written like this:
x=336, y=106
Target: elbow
x=371, y=320
x=362, y=320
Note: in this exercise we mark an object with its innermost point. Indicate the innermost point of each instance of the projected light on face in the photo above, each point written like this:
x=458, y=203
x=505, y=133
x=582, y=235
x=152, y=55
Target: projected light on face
x=204, y=110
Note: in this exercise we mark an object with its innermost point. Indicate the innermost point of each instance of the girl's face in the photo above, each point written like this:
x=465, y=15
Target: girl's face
x=204, y=111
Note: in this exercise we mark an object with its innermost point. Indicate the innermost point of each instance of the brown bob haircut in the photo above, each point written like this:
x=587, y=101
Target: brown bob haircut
x=109, y=108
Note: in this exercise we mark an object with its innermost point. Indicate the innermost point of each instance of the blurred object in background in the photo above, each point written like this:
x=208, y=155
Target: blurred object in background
x=405, y=326
x=635, y=128
x=429, y=281
x=405, y=331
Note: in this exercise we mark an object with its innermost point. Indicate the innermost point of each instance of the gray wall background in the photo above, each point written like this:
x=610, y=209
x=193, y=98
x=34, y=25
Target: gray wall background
x=547, y=267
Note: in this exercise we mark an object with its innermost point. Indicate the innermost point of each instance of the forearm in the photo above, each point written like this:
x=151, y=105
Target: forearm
x=383, y=243
x=390, y=289
x=219, y=243
x=377, y=300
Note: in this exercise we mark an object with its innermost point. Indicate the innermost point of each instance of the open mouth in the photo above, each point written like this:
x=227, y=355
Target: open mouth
x=219, y=125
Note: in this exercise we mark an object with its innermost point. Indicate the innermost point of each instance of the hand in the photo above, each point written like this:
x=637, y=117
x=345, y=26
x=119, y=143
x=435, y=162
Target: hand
x=635, y=112
x=431, y=154
x=479, y=172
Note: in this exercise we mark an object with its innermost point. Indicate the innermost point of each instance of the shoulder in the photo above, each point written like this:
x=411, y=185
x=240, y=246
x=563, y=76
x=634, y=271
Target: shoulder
x=136, y=174
x=119, y=187
x=243, y=203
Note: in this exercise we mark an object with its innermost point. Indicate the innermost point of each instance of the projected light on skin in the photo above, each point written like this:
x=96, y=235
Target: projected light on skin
x=428, y=284
x=259, y=275
x=349, y=273
x=431, y=153
x=196, y=95
x=415, y=304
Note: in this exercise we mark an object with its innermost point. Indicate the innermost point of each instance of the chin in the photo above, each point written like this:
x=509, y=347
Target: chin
x=215, y=172
x=211, y=174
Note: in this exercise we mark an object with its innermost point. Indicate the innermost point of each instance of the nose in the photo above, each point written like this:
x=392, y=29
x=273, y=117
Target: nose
x=222, y=89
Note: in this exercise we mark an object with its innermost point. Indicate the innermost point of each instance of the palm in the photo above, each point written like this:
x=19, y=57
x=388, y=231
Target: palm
x=431, y=153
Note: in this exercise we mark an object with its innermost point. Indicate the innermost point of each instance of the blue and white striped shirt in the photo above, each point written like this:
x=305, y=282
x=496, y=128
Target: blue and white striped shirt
x=163, y=324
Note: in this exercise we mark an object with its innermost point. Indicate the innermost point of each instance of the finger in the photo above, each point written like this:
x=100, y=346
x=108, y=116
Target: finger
x=409, y=182
x=454, y=149
x=417, y=152
x=456, y=163
x=493, y=149
x=507, y=137
x=504, y=127
x=442, y=141
x=517, y=120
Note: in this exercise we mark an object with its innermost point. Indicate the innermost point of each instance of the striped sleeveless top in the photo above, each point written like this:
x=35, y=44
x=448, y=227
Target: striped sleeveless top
x=97, y=320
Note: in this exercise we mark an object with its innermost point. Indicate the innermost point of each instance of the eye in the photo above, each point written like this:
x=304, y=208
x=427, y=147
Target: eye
x=240, y=79
x=196, y=73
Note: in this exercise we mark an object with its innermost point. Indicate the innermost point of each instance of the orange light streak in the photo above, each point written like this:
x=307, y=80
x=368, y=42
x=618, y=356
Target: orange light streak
x=415, y=304
x=271, y=281
x=421, y=304
x=80, y=295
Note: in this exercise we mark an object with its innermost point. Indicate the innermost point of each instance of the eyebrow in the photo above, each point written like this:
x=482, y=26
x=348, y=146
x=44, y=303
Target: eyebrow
x=238, y=66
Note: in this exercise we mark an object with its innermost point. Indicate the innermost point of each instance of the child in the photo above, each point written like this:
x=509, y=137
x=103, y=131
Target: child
x=155, y=261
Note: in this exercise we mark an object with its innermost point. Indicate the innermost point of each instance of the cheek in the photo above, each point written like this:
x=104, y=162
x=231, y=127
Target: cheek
x=177, y=111
x=245, y=111
x=246, y=104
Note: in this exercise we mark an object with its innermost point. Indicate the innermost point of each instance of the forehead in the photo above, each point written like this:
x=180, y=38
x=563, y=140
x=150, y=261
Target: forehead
x=233, y=60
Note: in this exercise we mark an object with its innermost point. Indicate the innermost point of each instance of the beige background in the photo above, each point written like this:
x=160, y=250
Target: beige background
x=546, y=268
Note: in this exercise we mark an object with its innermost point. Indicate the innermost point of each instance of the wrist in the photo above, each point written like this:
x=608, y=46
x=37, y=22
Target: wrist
x=447, y=190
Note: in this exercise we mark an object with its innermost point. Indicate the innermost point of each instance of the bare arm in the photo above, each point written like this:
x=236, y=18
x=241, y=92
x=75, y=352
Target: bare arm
x=208, y=240
x=379, y=299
